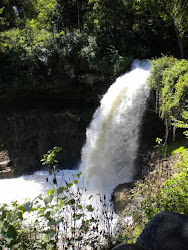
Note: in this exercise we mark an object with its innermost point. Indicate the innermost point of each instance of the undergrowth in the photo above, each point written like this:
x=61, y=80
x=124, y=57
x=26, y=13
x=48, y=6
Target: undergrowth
x=164, y=187
x=165, y=183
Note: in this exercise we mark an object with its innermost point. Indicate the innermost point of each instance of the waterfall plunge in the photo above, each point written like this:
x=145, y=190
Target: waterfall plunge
x=111, y=145
x=112, y=137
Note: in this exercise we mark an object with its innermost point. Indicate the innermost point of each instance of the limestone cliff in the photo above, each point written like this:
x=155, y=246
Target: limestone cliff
x=33, y=122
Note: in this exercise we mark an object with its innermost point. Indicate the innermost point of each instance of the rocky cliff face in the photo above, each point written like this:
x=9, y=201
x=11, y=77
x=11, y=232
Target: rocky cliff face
x=31, y=124
x=35, y=118
x=34, y=121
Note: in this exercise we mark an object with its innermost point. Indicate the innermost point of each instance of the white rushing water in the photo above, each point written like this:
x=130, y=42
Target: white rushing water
x=30, y=186
x=112, y=141
x=112, y=138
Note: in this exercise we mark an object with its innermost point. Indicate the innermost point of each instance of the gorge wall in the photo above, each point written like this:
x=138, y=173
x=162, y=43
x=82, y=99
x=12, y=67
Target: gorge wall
x=30, y=129
x=36, y=117
x=33, y=122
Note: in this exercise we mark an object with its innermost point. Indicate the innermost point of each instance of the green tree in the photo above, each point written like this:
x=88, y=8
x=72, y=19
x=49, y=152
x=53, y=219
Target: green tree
x=46, y=13
x=174, y=12
x=71, y=14
x=66, y=15
x=17, y=12
x=111, y=15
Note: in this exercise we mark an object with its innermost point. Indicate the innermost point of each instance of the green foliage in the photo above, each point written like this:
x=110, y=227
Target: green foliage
x=175, y=90
x=163, y=188
x=182, y=124
x=26, y=65
x=173, y=13
x=38, y=66
x=40, y=38
x=63, y=218
x=105, y=57
x=1, y=18
x=170, y=78
x=176, y=147
x=158, y=66
x=175, y=193
x=71, y=44
x=49, y=158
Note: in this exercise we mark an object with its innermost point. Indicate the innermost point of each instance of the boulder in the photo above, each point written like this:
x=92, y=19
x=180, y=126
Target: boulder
x=119, y=196
x=166, y=231
x=5, y=165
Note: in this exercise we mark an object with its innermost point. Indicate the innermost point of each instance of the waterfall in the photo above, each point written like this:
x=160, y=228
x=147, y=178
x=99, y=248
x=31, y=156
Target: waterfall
x=112, y=137
x=111, y=145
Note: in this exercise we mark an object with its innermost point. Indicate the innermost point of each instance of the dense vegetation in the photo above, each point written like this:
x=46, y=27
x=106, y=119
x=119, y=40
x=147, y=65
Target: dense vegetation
x=165, y=180
x=164, y=187
x=169, y=77
x=39, y=38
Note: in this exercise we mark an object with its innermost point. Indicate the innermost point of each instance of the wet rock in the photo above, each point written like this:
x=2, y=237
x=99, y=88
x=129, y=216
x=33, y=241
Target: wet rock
x=5, y=165
x=119, y=196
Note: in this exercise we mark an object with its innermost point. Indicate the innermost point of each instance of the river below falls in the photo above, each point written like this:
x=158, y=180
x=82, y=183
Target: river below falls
x=30, y=186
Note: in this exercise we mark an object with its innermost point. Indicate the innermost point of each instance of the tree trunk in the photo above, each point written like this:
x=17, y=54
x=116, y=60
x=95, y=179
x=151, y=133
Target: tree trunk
x=78, y=12
x=180, y=43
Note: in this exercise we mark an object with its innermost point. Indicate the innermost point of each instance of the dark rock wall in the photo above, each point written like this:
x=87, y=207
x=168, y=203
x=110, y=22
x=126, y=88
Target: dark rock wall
x=33, y=122
x=30, y=129
x=151, y=128
x=34, y=119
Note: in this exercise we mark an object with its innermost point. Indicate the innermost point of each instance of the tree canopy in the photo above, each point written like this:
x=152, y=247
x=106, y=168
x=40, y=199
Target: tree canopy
x=106, y=34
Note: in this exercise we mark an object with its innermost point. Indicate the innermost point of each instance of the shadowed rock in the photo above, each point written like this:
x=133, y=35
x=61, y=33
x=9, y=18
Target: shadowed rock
x=166, y=231
x=5, y=163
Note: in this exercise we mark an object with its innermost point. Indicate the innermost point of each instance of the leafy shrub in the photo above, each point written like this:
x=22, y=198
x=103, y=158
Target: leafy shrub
x=164, y=188
x=170, y=78
x=103, y=54
x=174, y=196
x=26, y=63
x=175, y=90
x=158, y=66
x=71, y=43
x=63, y=218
